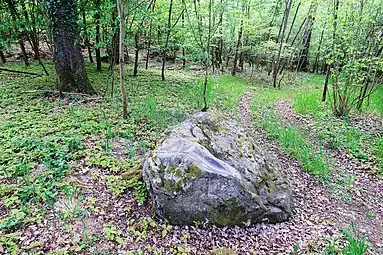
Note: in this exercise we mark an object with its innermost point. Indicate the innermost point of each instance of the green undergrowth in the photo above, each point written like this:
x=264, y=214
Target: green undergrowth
x=349, y=242
x=42, y=136
x=334, y=133
x=339, y=133
x=375, y=105
x=292, y=138
x=294, y=142
x=354, y=244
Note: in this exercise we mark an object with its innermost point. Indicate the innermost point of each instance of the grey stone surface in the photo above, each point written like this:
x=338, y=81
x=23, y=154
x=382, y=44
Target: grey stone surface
x=209, y=169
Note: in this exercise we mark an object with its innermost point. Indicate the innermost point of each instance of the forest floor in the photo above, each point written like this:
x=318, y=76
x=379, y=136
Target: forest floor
x=67, y=166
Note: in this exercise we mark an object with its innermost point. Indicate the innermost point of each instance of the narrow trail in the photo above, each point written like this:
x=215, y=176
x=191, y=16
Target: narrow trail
x=318, y=214
x=367, y=190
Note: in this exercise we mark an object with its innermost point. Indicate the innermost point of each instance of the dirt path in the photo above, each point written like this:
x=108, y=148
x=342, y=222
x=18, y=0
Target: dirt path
x=365, y=210
x=366, y=190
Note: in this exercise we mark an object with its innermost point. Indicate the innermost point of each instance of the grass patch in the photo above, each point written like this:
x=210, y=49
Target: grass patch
x=307, y=103
x=355, y=244
x=292, y=141
x=376, y=102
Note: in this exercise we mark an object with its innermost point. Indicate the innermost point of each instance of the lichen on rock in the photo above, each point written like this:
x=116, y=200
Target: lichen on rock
x=209, y=169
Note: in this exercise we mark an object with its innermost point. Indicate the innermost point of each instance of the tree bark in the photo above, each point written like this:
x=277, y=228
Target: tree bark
x=183, y=47
x=69, y=62
x=293, y=22
x=315, y=68
x=121, y=14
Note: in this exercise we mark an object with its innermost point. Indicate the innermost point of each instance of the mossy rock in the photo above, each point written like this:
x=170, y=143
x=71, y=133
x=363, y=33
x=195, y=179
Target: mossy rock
x=208, y=169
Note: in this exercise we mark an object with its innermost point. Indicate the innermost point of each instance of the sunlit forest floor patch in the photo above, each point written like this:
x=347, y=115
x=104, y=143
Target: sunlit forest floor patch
x=70, y=167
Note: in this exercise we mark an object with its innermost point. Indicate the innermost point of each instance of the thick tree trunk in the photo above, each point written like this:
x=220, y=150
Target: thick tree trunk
x=69, y=63
x=97, y=17
x=167, y=40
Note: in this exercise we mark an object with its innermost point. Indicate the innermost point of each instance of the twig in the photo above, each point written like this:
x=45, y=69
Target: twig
x=15, y=71
x=58, y=92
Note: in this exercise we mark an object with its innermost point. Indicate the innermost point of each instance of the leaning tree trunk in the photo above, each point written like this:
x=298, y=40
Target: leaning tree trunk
x=303, y=62
x=69, y=62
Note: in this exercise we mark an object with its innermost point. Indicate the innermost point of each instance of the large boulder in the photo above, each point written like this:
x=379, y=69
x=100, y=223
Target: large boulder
x=209, y=169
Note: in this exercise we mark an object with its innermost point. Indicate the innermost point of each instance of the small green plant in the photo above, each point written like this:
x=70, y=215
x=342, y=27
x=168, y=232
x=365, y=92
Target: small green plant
x=16, y=218
x=112, y=233
x=9, y=243
x=117, y=185
x=69, y=208
x=165, y=229
x=355, y=244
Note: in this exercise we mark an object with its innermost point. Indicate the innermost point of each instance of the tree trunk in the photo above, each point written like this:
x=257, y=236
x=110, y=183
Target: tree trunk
x=325, y=88
x=281, y=37
x=121, y=14
x=167, y=40
x=237, y=48
x=136, y=50
x=329, y=67
x=303, y=62
x=293, y=22
x=15, y=17
x=97, y=17
x=69, y=63
x=150, y=37
x=220, y=58
x=315, y=68
x=2, y=57
x=183, y=47
x=87, y=37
